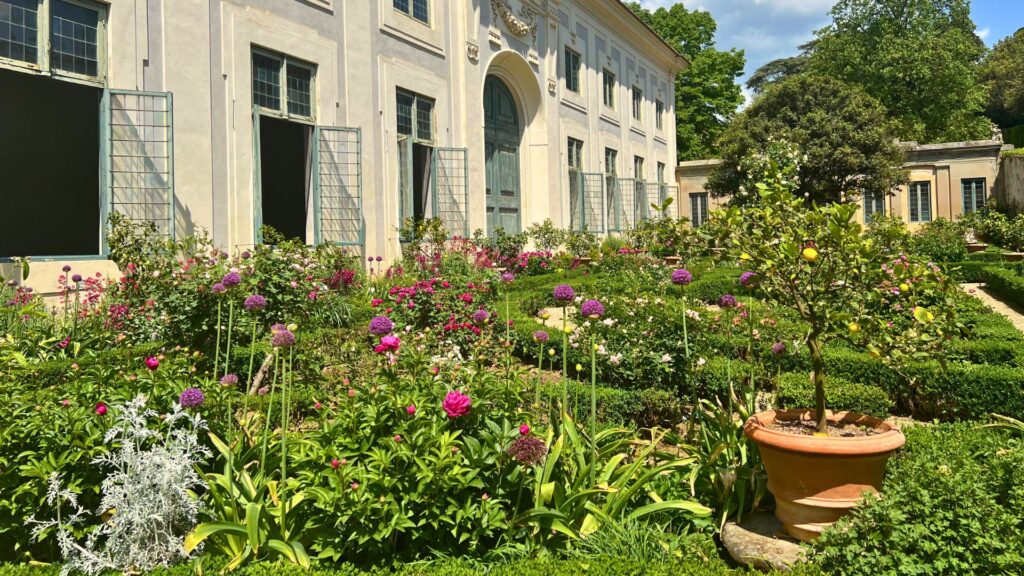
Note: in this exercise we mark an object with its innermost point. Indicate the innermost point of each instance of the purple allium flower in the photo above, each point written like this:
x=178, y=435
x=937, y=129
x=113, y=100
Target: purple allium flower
x=592, y=309
x=681, y=277
x=381, y=325
x=456, y=404
x=282, y=338
x=191, y=398
x=564, y=293
x=229, y=380
x=231, y=279
x=779, y=348
x=66, y=268
x=369, y=258
x=246, y=255
x=540, y=336
x=481, y=316
x=528, y=450
x=727, y=301
x=379, y=258
x=218, y=288
x=76, y=278
x=507, y=277
x=748, y=279
x=255, y=303
x=278, y=327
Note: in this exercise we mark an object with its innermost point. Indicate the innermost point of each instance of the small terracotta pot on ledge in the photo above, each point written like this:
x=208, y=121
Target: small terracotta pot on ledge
x=976, y=247
x=815, y=479
x=673, y=260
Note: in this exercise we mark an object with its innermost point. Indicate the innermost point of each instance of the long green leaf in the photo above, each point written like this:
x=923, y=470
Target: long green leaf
x=687, y=505
x=207, y=529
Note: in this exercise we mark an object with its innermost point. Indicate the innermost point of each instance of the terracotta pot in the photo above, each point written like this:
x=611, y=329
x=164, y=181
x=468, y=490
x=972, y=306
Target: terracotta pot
x=672, y=260
x=1013, y=256
x=815, y=479
x=977, y=247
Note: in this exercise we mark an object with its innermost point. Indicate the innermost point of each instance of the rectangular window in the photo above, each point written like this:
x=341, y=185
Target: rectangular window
x=974, y=194
x=638, y=103
x=661, y=172
x=920, y=200
x=611, y=170
x=873, y=204
x=575, y=154
x=73, y=38
x=575, y=162
x=295, y=97
x=698, y=208
x=640, y=202
x=608, y=81
x=572, y=70
x=19, y=30
x=415, y=112
x=659, y=112
x=638, y=168
x=414, y=8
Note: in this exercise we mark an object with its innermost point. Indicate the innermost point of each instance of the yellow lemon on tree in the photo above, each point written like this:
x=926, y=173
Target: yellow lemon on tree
x=579, y=367
x=745, y=256
x=810, y=254
x=904, y=287
x=854, y=327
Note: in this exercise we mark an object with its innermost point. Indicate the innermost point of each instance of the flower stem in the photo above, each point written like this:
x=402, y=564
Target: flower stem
x=593, y=407
x=231, y=329
x=216, y=357
x=565, y=363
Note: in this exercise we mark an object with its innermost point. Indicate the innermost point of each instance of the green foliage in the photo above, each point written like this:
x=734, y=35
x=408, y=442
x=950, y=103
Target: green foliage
x=797, y=391
x=940, y=240
x=581, y=243
x=953, y=504
x=1002, y=72
x=546, y=236
x=1007, y=284
x=889, y=233
x=918, y=58
x=707, y=94
x=843, y=142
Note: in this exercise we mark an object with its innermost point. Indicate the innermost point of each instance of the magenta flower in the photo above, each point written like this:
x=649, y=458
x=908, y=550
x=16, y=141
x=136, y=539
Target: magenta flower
x=76, y=278
x=231, y=279
x=66, y=268
x=748, y=279
x=779, y=348
x=727, y=301
x=592, y=309
x=524, y=430
x=246, y=255
x=381, y=325
x=681, y=277
x=389, y=343
x=218, y=288
x=229, y=380
x=540, y=336
x=410, y=409
x=335, y=463
x=191, y=398
x=456, y=404
x=507, y=277
x=282, y=338
x=528, y=451
x=480, y=316
x=152, y=362
x=101, y=409
x=563, y=293
x=255, y=303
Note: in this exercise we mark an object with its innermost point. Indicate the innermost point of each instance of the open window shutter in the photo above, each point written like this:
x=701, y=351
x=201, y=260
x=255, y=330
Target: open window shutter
x=337, y=186
x=405, y=192
x=593, y=201
x=257, y=179
x=138, y=158
x=450, y=195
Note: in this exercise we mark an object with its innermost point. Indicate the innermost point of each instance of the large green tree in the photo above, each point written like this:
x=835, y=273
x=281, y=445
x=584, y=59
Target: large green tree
x=843, y=144
x=919, y=58
x=707, y=92
x=1003, y=74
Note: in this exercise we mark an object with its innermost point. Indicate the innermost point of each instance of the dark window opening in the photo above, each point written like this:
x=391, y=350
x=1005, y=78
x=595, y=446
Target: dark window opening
x=420, y=180
x=49, y=166
x=284, y=175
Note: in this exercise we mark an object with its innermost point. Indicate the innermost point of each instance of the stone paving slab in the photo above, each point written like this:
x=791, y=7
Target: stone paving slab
x=760, y=542
x=997, y=305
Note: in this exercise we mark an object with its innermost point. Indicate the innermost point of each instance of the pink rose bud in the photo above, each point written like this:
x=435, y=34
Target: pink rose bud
x=355, y=485
x=317, y=406
x=351, y=393
x=335, y=463
x=410, y=409
x=524, y=429
x=65, y=403
x=344, y=461
x=152, y=363
x=101, y=408
x=397, y=438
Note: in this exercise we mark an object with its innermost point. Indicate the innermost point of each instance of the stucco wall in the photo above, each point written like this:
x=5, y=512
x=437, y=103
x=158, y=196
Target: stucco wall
x=1012, y=180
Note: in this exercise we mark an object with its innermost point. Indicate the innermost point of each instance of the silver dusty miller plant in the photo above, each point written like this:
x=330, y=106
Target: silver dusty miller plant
x=149, y=494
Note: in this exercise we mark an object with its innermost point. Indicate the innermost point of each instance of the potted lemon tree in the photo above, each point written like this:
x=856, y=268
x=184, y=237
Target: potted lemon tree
x=816, y=261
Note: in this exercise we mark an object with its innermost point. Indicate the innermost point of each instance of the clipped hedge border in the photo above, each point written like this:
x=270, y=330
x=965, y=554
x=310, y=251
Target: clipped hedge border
x=796, y=391
x=598, y=566
x=1005, y=283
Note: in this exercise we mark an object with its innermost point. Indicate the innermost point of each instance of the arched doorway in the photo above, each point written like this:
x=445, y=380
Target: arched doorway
x=501, y=148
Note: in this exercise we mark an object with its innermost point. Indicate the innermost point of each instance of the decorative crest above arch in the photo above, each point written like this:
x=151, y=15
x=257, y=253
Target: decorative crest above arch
x=521, y=25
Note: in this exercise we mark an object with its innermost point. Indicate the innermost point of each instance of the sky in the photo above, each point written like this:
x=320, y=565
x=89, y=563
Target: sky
x=770, y=29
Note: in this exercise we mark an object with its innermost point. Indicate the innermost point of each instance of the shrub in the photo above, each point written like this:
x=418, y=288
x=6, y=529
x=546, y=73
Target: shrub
x=940, y=240
x=953, y=504
x=889, y=233
x=1006, y=284
x=796, y=391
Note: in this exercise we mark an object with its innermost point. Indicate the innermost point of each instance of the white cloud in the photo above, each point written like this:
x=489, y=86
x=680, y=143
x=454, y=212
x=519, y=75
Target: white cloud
x=984, y=32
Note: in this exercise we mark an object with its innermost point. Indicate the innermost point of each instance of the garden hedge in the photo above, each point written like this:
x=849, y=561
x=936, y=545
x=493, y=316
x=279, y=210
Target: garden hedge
x=535, y=567
x=797, y=391
x=1005, y=283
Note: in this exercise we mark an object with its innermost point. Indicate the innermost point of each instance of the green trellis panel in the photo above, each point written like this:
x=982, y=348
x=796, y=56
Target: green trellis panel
x=137, y=147
x=450, y=189
x=592, y=201
x=338, y=186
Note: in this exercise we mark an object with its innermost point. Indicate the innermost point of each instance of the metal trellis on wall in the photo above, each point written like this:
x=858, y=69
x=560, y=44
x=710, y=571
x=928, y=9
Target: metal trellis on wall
x=138, y=157
x=450, y=197
x=338, y=186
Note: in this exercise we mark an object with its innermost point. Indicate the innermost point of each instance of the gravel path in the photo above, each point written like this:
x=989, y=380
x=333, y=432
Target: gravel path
x=978, y=291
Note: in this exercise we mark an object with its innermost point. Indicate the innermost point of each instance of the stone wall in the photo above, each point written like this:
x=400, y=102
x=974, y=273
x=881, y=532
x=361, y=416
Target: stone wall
x=1011, y=175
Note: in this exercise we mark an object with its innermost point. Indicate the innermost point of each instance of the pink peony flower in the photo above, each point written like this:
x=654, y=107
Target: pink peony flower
x=456, y=404
x=396, y=438
x=152, y=363
x=101, y=408
x=335, y=463
x=524, y=429
x=410, y=409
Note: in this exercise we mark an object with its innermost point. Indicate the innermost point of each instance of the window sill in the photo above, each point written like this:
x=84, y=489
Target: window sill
x=660, y=138
x=409, y=29
x=610, y=119
x=574, y=105
x=638, y=130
